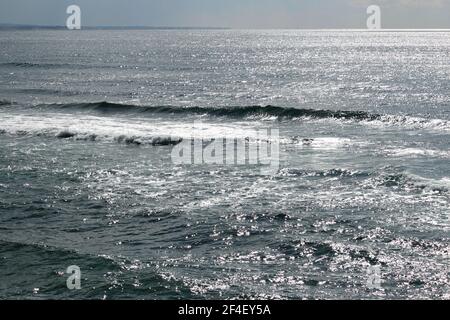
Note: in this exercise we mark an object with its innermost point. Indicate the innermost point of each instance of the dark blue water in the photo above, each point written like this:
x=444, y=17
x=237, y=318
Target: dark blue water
x=89, y=120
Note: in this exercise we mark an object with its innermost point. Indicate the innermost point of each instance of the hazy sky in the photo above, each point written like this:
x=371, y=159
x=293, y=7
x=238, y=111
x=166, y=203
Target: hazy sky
x=231, y=13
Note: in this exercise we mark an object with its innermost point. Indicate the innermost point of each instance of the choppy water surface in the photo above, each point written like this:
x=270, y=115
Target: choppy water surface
x=88, y=121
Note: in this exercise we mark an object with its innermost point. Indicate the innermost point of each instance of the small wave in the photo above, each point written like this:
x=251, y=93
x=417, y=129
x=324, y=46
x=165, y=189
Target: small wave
x=47, y=65
x=410, y=122
x=5, y=102
x=28, y=65
x=19, y=64
x=131, y=140
x=65, y=134
x=154, y=141
x=377, y=179
x=412, y=183
x=336, y=172
x=323, y=143
x=417, y=152
x=83, y=136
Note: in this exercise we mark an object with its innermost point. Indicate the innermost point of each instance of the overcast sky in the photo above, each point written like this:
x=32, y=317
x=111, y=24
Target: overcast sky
x=231, y=13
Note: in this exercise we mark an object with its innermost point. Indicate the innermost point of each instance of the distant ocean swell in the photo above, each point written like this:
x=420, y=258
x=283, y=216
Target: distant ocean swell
x=33, y=65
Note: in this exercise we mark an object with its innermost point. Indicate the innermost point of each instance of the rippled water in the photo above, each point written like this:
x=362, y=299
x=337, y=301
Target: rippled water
x=91, y=183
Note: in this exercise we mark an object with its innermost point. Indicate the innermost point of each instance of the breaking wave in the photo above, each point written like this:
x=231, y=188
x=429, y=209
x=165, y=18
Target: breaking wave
x=234, y=111
x=260, y=112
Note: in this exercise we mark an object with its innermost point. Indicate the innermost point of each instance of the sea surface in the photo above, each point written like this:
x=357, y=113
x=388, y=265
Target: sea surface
x=358, y=210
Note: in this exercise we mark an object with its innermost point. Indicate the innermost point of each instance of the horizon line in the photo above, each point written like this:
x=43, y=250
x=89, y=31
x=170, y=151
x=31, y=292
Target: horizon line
x=89, y=27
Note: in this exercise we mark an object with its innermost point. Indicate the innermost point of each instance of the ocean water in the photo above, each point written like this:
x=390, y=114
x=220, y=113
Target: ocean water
x=88, y=122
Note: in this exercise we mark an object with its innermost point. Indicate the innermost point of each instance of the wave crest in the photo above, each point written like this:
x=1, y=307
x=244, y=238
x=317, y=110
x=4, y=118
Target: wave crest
x=261, y=112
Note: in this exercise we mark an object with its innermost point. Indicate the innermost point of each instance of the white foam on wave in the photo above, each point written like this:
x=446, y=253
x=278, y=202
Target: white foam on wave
x=409, y=122
x=442, y=183
x=383, y=121
x=330, y=142
x=105, y=128
x=417, y=152
x=326, y=143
